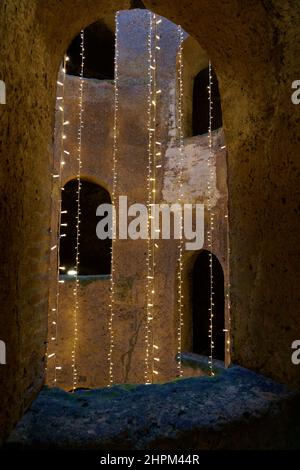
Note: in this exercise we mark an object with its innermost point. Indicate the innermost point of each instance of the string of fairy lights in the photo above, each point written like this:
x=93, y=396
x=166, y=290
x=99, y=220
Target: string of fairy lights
x=57, y=176
x=77, y=253
x=211, y=217
x=149, y=273
x=227, y=328
x=154, y=154
x=157, y=155
x=114, y=200
x=180, y=200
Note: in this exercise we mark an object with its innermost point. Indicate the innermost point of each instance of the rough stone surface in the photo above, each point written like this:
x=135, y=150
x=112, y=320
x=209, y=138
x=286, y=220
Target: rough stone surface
x=130, y=256
x=234, y=410
x=254, y=47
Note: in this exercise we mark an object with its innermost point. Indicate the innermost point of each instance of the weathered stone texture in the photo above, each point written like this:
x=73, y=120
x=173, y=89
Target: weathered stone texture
x=254, y=47
x=130, y=256
x=111, y=419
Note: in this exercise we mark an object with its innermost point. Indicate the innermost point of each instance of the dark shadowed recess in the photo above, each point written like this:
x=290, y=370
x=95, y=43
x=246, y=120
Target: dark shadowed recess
x=99, y=45
x=95, y=254
x=201, y=103
x=201, y=306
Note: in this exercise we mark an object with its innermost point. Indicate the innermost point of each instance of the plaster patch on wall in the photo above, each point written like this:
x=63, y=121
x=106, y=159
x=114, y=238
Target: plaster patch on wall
x=195, y=171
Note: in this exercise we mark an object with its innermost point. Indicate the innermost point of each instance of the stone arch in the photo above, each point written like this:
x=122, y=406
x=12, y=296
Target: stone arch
x=200, y=112
x=201, y=291
x=99, y=43
x=95, y=254
x=195, y=95
x=196, y=303
x=254, y=82
x=194, y=60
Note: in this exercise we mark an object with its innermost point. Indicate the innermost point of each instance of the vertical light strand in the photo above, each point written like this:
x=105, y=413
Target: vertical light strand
x=149, y=261
x=156, y=94
x=180, y=200
x=228, y=304
x=227, y=327
x=154, y=155
x=113, y=198
x=211, y=217
x=53, y=330
x=77, y=255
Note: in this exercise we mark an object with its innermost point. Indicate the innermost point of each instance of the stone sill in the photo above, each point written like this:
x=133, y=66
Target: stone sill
x=88, y=278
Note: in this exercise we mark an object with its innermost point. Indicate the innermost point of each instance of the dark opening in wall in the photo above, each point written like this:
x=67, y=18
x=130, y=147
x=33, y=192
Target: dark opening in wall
x=99, y=45
x=137, y=4
x=201, y=306
x=201, y=103
x=94, y=254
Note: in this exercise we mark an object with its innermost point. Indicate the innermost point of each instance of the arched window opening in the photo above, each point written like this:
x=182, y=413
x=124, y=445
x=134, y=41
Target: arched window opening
x=201, y=306
x=99, y=45
x=95, y=254
x=201, y=103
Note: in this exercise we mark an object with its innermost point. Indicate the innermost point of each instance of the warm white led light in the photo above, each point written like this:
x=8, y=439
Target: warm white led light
x=77, y=254
x=153, y=155
x=58, y=179
x=113, y=200
x=211, y=216
x=71, y=272
x=181, y=201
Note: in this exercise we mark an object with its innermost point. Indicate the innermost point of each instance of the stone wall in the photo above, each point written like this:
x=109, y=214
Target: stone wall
x=93, y=314
x=254, y=47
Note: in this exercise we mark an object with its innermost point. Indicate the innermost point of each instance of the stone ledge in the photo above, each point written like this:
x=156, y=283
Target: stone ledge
x=237, y=409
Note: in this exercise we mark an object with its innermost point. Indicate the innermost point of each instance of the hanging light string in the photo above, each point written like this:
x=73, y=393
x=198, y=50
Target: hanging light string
x=53, y=326
x=113, y=198
x=77, y=255
x=157, y=155
x=154, y=155
x=180, y=200
x=227, y=327
x=211, y=216
x=149, y=264
x=228, y=303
